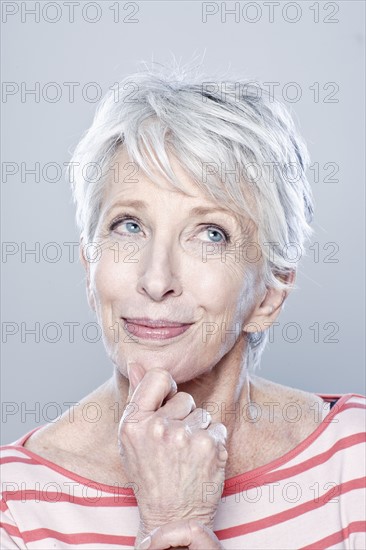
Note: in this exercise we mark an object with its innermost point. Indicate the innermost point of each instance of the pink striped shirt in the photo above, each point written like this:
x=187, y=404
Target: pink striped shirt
x=312, y=497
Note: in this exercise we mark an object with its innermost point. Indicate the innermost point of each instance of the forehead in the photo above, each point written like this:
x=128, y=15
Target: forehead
x=128, y=181
x=130, y=184
x=128, y=177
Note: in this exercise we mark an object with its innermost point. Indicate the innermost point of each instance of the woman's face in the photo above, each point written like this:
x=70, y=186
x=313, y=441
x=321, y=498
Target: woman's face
x=161, y=259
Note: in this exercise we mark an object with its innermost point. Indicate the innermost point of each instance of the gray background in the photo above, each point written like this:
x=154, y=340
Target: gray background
x=36, y=374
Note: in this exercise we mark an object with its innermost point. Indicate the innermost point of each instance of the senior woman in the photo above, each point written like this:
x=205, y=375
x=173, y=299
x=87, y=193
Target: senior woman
x=188, y=193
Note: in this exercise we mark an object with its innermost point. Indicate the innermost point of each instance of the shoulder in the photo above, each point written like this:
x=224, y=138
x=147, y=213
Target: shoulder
x=29, y=457
x=284, y=419
x=291, y=405
x=349, y=414
x=294, y=416
x=16, y=461
x=353, y=402
x=12, y=454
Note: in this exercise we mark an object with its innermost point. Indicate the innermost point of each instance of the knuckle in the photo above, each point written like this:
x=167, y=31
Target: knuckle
x=180, y=436
x=203, y=415
x=184, y=396
x=161, y=373
x=204, y=443
x=158, y=427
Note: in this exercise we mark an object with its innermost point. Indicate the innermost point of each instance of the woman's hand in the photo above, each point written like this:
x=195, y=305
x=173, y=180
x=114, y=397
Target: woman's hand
x=190, y=534
x=173, y=453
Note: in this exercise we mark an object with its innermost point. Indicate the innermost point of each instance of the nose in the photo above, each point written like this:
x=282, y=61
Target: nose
x=158, y=278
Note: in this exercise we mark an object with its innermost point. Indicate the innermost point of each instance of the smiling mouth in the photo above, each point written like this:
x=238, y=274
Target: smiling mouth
x=160, y=329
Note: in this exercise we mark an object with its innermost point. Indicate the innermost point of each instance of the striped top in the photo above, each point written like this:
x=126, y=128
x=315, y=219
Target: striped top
x=312, y=497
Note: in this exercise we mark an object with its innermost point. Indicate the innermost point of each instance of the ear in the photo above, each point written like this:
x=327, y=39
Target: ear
x=84, y=261
x=270, y=305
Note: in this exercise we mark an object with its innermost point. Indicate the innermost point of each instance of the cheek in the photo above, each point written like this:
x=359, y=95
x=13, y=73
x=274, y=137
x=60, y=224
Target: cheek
x=109, y=279
x=248, y=296
x=218, y=286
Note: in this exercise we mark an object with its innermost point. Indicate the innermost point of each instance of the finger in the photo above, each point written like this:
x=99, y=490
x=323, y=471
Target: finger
x=178, y=407
x=176, y=534
x=135, y=373
x=203, y=537
x=198, y=419
x=219, y=432
x=155, y=386
x=181, y=534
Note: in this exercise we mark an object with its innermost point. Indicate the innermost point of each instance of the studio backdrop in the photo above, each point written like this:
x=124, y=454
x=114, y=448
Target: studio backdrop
x=58, y=60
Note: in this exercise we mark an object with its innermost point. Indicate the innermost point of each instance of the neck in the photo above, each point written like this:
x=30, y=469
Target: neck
x=224, y=392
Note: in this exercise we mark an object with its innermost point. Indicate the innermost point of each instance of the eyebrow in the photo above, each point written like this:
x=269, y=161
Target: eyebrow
x=202, y=210
x=132, y=203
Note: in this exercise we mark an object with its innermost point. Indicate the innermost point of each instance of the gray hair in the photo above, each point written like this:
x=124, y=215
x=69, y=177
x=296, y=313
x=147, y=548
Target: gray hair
x=218, y=129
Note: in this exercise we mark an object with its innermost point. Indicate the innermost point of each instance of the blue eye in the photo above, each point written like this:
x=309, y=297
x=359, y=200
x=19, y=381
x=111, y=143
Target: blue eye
x=132, y=223
x=217, y=235
x=220, y=232
x=128, y=221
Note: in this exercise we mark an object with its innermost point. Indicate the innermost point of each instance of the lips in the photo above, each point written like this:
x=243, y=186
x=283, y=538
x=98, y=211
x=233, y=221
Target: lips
x=158, y=323
x=154, y=329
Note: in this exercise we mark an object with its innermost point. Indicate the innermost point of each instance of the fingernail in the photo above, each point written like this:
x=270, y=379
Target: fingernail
x=144, y=544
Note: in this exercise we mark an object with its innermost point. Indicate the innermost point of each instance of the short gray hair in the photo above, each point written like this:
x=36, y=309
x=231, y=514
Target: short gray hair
x=210, y=124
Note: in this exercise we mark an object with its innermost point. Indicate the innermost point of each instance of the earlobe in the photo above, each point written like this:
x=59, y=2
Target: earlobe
x=270, y=306
x=265, y=313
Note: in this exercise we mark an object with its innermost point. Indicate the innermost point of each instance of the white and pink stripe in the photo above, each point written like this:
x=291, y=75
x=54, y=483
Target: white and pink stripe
x=313, y=497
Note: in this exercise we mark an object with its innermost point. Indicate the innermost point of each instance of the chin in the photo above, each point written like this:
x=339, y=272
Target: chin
x=180, y=373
